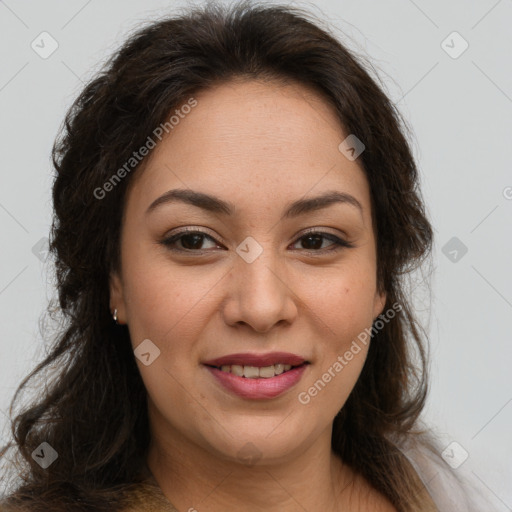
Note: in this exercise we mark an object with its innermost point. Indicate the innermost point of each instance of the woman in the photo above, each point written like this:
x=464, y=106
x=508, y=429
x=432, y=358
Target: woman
x=235, y=209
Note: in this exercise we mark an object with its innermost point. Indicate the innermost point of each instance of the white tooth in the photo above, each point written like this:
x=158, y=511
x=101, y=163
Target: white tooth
x=225, y=368
x=267, y=372
x=251, y=372
x=237, y=370
x=278, y=368
x=287, y=367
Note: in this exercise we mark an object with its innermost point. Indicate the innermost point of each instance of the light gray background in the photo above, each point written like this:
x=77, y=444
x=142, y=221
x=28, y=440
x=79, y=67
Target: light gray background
x=460, y=110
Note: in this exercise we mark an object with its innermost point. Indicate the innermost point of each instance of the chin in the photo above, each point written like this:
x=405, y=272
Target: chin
x=268, y=441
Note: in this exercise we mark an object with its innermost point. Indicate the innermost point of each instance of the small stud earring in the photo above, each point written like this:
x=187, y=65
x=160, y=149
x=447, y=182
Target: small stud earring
x=115, y=316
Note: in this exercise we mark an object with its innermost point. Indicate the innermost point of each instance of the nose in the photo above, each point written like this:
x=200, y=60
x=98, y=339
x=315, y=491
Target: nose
x=259, y=294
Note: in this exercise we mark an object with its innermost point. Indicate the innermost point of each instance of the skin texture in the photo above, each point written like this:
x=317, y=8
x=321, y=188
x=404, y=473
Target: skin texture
x=260, y=146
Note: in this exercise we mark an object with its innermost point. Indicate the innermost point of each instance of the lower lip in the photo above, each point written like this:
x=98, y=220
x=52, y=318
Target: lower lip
x=257, y=389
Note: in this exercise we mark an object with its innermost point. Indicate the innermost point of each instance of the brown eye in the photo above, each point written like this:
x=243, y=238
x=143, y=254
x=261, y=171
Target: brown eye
x=190, y=240
x=314, y=240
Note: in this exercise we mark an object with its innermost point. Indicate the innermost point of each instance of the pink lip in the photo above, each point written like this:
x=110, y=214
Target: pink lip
x=257, y=389
x=259, y=360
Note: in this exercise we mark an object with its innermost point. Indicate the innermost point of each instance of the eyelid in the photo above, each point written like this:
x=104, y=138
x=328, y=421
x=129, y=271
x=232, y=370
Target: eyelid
x=338, y=242
x=320, y=229
x=201, y=229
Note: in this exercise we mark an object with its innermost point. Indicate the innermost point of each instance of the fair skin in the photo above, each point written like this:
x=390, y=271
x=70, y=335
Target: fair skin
x=260, y=147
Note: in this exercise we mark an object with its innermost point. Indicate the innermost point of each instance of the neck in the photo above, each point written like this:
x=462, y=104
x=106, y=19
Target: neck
x=194, y=478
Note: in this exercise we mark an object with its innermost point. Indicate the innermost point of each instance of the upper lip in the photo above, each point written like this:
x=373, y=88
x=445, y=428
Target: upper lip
x=260, y=360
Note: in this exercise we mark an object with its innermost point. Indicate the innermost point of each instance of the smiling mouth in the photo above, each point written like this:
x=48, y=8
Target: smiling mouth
x=257, y=372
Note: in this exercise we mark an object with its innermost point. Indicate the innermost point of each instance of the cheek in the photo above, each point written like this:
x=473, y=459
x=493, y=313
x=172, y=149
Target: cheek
x=342, y=305
x=336, y=370
x=166, y=303
x=342, y=301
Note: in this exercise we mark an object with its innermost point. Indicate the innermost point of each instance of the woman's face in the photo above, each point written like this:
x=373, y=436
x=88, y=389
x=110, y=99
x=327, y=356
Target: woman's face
x=253, y=282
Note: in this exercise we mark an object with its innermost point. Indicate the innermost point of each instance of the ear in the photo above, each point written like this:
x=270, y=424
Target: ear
x=117, y=297
x=379, y=303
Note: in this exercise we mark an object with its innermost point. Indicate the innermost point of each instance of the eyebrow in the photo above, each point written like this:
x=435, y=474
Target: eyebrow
x=218, y=206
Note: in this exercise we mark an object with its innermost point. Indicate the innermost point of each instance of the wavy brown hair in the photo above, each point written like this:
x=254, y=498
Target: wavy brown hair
x=92, y=408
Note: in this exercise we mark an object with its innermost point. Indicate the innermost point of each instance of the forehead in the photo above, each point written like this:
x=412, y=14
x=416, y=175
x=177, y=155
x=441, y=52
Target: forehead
x=267, y=140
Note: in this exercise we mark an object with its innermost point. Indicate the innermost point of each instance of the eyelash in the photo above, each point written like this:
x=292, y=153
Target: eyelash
x=338, y=243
